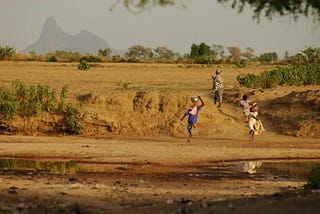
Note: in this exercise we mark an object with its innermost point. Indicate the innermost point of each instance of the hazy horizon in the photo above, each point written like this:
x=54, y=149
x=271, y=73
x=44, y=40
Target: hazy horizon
x=205, y=21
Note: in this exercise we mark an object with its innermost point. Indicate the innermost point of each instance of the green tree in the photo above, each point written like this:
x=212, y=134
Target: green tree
x=269, y=8
x=201, y=50
x=202, y=53
x=312, y=54
x=194, y=52
x=268, y=57
x=204, y=50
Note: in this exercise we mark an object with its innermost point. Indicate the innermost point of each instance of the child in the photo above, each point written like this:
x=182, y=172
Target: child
x=245, y=104
x=193, y=113
x=255, y=125
x=217, y=87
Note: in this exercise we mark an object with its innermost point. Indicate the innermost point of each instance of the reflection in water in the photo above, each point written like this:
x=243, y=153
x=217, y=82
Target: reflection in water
x=251, y=166
x=24, y=166
x=259, y=170
x=269, y=170
x=289, y=169
x=60, y=168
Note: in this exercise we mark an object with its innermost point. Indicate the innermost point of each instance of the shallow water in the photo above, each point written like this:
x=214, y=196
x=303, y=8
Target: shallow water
x=298, y=170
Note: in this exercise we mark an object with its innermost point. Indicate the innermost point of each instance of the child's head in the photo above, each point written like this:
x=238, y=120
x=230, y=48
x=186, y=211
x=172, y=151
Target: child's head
x=245, y=97
x=194, y=104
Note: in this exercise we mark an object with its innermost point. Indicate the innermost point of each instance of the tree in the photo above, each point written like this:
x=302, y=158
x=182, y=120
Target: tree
x=194, y=52
x=268, y=57
x=270, y=8
x=138, y=51
x=235, y=52
x=249, y=53
x=105, y=52
x=201, y=50
x=7, y=51
x=204, y=50
x=202, y=53
x=218, y=50
x=163, y=53
x=286, y=56
x=312, y=54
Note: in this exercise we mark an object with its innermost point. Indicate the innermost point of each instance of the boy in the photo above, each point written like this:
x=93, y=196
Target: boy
x=193, y=113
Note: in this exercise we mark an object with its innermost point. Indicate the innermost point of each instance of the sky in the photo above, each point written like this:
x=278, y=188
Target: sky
x=207, y=21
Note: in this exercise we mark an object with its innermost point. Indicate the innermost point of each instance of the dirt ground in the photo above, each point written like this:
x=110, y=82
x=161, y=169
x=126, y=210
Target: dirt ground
x=133, y=130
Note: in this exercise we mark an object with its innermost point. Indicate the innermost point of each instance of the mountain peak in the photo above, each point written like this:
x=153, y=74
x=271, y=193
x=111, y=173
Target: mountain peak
x=50, y=25
x=52, y=38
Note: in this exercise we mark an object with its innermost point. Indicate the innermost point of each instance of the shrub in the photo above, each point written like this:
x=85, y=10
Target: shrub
x=6, y=51
x=63, y=97
x=295, y=75
x=29, y=101
x=314, y=179
x=249, y=80
x=64, y=56
x=8, y=104
x=33, y=99
x=52, y=59
x=73, y=120
x=84, y=65
x=241, y=64
x=91, y=59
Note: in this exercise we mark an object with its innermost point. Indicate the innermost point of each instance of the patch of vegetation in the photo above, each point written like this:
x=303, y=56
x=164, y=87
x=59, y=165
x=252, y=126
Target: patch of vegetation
x=63, y=56
x=241, y=64
x=84, y=65
x=295, y=75
x=6, y=51
x=91, y=58
x=249, y=80
x=30, y=100
x=73, y=120
x=314, y=178
x=52, y=59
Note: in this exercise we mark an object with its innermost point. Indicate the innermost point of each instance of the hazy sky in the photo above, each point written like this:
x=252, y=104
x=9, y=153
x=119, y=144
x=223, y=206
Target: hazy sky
x=205, y=21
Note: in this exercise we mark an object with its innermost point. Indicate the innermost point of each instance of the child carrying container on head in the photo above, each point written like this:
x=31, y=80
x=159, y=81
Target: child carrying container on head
x=193, y=113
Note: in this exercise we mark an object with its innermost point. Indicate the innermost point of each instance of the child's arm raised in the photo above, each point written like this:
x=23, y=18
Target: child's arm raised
x=202, y=103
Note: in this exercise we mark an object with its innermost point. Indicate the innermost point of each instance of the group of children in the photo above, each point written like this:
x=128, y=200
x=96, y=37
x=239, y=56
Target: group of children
x=249, y=108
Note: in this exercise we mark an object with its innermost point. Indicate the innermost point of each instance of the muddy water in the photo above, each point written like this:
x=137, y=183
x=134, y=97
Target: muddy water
x=282, y=170
x=252, y=169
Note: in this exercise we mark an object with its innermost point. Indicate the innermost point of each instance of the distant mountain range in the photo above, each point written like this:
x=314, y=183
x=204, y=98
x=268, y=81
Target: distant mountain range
x=52, y=38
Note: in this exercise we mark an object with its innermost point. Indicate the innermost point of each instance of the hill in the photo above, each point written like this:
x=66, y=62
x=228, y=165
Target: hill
x=52, y=38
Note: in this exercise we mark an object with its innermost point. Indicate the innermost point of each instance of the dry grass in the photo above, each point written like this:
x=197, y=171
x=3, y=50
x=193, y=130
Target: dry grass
x=145, y=99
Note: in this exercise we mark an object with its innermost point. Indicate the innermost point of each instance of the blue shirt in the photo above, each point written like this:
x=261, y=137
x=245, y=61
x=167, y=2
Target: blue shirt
x=193, y=118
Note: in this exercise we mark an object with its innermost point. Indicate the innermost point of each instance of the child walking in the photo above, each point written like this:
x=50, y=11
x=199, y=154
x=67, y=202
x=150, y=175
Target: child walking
x=193, y=113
